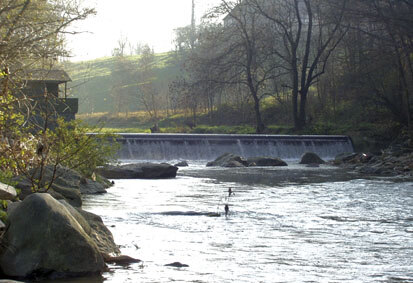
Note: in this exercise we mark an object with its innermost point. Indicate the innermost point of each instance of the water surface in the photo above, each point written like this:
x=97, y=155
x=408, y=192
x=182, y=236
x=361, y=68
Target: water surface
x=291, y=224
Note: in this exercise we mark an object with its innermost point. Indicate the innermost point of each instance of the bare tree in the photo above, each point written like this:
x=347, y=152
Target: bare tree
x=387, y=27
x=147, y=92
x=238, y=52
x=34, y=30
x=121, y=75
x=122, y=45
x=305, y=34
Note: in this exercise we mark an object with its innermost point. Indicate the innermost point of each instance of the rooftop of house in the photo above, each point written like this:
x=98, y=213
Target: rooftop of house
x=48, y=76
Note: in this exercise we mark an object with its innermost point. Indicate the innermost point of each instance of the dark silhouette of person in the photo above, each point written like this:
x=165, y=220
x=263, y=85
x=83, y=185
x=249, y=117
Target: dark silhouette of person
x=230, y=193
x=226, y=210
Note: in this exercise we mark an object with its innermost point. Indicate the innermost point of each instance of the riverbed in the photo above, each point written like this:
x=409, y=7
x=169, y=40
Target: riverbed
x=290, y=224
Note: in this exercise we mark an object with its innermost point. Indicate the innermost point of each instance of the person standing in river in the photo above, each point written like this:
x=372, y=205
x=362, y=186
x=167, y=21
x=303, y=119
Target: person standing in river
x=226, y=210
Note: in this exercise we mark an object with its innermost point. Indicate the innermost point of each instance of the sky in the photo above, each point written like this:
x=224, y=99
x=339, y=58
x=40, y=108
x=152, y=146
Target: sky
x=145, y=21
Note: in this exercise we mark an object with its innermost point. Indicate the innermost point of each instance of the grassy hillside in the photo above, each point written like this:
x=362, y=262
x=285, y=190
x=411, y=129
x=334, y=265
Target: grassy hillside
x=92, y=82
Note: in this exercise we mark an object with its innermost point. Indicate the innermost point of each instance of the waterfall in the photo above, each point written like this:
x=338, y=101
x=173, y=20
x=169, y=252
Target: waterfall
x=164, y=147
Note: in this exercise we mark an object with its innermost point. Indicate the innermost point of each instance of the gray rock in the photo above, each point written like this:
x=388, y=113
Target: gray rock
x=90, y=187
x=233, y=164
x=100, y=233
x=228, y=160
x=72, y=196
x=344, y=157
x=266, y=161
x=2, y=225
x=93, y=225
x=139, y=171
x=12, y=205
x=182, y=164
x=177, y=264
x=7, y=192
x=67, y=184
x=78, y=216
x=311, y=158
x=121, y=260
x=43, y=239
x=312, y=165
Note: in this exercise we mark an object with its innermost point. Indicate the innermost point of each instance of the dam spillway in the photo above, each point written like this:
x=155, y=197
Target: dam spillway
x=164, y=147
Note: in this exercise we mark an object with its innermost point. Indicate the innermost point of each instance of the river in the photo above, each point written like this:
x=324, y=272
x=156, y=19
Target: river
x=290, y=224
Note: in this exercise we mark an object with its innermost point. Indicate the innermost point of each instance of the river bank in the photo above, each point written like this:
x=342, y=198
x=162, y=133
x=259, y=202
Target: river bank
x=47, y=234
x=395, y=160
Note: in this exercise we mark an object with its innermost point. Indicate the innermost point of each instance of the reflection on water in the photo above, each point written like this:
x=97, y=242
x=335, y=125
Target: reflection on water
x=285, y=225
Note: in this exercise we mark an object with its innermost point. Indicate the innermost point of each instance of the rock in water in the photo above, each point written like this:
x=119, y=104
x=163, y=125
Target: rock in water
x=99, y=233
x=121, y=260
x=93, y=225
x=182, y=164
x=139, y=171
x=265, y=161
x=43, y=239
x=311, y=158
x=228, y=160
x=177, y=264
x=67, y=184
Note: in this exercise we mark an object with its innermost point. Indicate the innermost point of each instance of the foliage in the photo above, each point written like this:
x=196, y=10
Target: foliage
x=32, y=34
x=3, y=216
x=67, y=145
x=15, y=147
x=24, y=151
x=71, y=146
x=203, y=129
x=32, y=31
x=325, y=67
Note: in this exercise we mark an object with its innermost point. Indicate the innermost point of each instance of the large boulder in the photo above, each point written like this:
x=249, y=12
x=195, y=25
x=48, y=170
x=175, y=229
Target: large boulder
x=7, y=192
x=100, y=234
x=43, y=239
x=67, y=184
x=266, y=161
x=311, y=158
x=228, y=160
x=345, y=157
x=139, y=171
x=69, y=194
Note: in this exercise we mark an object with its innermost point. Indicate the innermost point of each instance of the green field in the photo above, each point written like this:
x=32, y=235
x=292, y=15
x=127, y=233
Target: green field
x=92, y=82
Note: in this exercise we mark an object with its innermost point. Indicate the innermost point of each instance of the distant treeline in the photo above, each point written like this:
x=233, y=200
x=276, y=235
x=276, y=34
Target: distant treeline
x=285, y=62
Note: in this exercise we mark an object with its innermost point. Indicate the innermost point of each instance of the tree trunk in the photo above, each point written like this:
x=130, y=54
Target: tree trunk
x=302, y=114
x=260, y=125
x=295, y=97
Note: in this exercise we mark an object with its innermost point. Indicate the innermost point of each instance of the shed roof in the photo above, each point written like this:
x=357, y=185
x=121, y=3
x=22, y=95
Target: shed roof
x=45, y=75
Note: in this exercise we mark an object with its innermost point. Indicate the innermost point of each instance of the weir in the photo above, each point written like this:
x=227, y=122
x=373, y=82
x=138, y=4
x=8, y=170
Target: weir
x=209, y=146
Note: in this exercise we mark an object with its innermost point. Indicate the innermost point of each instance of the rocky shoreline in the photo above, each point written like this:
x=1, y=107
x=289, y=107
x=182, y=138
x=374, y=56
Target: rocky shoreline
x=395, y=161
x=47, y=235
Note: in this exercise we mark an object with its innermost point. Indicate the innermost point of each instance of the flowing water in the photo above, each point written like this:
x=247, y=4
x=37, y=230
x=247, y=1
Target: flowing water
x=292, y=224
x=210, y=146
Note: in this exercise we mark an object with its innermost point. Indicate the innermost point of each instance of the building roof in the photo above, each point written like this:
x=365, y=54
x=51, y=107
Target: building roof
x=45, y=75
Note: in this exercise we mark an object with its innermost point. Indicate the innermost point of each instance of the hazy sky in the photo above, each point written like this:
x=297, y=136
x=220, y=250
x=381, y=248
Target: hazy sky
x=145, y=21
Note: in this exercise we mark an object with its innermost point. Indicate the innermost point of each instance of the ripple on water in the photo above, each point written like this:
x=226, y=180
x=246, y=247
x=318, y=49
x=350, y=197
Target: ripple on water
x=318, y=230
